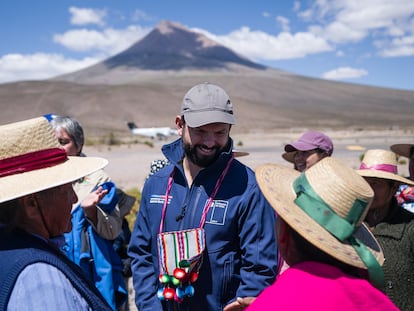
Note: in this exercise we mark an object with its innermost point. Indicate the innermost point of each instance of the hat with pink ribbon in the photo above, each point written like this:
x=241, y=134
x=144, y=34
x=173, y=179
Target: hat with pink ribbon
x=381, y=163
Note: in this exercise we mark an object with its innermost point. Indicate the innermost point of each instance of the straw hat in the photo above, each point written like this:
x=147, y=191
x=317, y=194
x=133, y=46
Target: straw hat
x=239, y=153
x=381, y=163
x=404, y=150
x=31, y=160
x=337, y=191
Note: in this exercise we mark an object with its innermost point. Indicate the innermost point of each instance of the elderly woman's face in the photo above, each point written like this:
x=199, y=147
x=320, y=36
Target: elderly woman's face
x=66, y=141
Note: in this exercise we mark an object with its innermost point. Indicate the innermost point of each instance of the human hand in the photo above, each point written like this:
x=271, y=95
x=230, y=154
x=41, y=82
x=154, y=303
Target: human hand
x=89, y=203
x=239, y=304
x=93, y=197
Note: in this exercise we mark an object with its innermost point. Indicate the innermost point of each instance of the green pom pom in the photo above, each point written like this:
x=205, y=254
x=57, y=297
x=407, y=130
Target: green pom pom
x=184, y=264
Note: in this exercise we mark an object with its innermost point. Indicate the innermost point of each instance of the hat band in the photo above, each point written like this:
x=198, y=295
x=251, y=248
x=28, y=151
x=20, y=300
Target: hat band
x=314, y=206
x=389, y=168
x=32, y=161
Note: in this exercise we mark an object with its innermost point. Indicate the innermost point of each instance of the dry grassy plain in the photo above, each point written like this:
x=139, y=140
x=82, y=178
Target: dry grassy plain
x=129, y=164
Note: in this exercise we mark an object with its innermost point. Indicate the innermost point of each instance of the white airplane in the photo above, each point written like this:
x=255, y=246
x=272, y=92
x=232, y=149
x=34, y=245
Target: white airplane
x=152, y=132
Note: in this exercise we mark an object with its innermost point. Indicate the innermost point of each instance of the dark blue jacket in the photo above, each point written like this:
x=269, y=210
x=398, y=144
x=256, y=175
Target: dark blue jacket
x=19, y=249
x=240, y=258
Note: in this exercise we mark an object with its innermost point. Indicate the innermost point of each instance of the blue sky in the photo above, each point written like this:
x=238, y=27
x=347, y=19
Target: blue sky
x=358, y=41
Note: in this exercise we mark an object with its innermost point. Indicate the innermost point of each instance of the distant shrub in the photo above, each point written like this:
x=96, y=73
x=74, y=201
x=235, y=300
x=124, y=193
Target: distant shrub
x=133, y=214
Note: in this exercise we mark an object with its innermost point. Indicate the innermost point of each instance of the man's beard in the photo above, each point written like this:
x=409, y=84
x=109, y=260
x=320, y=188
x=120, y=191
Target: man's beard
x=201, y=160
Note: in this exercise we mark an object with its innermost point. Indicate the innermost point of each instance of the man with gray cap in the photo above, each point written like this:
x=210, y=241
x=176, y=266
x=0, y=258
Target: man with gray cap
x=206, y=193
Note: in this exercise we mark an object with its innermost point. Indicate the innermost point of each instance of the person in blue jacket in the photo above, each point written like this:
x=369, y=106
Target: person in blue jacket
x=203, y=186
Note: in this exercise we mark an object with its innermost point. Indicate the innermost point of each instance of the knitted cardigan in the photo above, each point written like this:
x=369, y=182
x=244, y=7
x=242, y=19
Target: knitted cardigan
x=19, y=249
x=396, y=237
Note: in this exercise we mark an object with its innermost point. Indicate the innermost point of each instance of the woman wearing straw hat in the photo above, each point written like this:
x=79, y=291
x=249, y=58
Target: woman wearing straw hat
x=331, y=253
x=36, y=198
x=392, y=225
x=405, y=194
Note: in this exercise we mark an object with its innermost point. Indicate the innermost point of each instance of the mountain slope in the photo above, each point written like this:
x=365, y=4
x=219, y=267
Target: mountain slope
x=168, y=47
x=146, y=83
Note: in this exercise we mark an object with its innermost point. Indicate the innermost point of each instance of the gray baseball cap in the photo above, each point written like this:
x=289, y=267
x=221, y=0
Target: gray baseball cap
x=207, y=103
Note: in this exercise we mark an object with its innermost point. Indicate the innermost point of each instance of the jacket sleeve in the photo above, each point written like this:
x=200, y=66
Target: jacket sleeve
x=108, y=225
x=144, y=276
x=258, y=245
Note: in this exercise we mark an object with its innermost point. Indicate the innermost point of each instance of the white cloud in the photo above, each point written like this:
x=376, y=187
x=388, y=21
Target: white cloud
x=258, y=45
x=109, y=41
x=344, y=21
x=15, y=67
x=266, y=14
x=342, y=73
x=398, y=47
x=83, y=16
x=284, y=23
x=139, y=15
x=331, y=24
x=340, y=53
x=296, y=6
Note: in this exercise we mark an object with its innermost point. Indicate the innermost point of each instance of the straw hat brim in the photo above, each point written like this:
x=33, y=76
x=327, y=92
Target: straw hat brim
x=385, y=175
x=402, y=149
x=18, y=185
x=276, y=182
x=239, y=153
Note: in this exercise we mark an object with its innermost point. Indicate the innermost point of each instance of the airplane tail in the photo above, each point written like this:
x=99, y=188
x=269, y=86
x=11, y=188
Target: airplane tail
x=132, y=125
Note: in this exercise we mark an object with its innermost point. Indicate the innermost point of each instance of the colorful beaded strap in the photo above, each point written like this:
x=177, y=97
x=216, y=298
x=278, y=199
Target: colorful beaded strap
x=180, y=252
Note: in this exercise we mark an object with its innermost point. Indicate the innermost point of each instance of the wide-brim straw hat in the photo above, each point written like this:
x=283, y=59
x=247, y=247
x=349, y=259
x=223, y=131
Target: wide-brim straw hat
x=381, y=163
x=31, y=160
x=239, y=153
x=339, y=187
x=404, y=150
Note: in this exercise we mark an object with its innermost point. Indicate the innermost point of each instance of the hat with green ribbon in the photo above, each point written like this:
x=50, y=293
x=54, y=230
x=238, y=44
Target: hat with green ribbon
x=326, y=205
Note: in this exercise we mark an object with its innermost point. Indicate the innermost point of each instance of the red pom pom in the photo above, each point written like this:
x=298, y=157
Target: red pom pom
x=169, y=293
x=180, y=274
x=193, y=277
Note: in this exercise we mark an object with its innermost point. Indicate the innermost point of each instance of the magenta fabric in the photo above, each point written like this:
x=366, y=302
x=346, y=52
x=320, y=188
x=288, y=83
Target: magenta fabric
x=317, y=286
x=389, y=168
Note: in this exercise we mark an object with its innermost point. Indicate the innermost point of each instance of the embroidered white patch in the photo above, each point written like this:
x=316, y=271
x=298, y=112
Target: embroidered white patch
x=217, y=213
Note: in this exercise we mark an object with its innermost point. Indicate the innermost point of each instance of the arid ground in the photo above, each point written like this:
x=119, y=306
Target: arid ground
x=129, y=165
